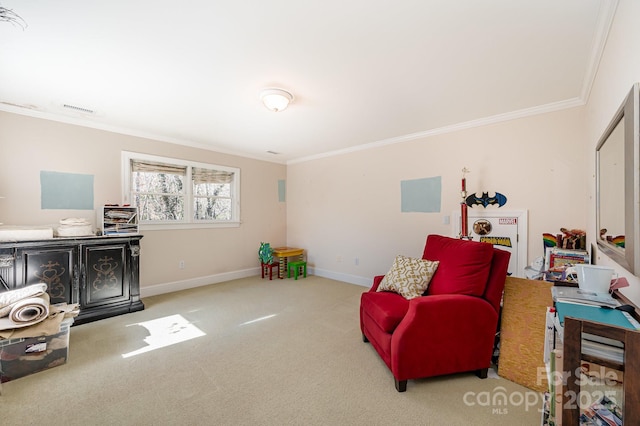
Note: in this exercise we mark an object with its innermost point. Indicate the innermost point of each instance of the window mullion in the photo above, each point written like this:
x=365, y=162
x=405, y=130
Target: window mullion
x=189, y=199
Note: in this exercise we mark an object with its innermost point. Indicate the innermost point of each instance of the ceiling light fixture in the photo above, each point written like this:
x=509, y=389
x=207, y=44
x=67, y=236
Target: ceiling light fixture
x=275, y=100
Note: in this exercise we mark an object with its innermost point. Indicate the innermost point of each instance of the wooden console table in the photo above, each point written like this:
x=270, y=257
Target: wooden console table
x=285, y=255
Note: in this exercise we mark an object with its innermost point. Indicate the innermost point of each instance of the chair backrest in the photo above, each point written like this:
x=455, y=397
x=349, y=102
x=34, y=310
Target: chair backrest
x=467, y=267
x=497, y=277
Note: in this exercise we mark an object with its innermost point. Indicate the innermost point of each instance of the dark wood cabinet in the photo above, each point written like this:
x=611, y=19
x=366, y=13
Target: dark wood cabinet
x=99, y=273
x=54, y=266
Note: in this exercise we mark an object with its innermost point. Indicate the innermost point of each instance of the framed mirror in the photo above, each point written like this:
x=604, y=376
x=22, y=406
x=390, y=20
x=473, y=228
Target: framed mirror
x=618, y=185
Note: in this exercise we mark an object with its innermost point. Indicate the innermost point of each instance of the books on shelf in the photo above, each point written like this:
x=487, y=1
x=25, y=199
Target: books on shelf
x=557, y=257
x=603, y=350
x=118, y=220
x=558, y=260
x=595, y=346
x=602, y=412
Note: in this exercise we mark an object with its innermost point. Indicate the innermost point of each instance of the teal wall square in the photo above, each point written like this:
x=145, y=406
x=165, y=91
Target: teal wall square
x=66, y=191
x=421, y=195
x=282, y=191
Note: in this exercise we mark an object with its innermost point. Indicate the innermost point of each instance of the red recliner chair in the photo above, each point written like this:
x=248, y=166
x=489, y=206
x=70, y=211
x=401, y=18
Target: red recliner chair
x=452, y=327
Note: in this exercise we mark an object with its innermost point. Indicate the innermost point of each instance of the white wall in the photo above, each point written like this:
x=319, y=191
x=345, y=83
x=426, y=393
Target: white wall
x=30, y=145
x=619, y=70
x=348, y=206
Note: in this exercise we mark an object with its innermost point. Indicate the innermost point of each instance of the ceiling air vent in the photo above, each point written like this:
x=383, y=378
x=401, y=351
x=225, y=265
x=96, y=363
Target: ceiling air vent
x=273, y=152
x=78, y=109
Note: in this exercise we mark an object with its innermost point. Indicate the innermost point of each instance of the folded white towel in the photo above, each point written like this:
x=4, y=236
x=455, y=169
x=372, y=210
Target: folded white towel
x=74, y=221
x=74, y=231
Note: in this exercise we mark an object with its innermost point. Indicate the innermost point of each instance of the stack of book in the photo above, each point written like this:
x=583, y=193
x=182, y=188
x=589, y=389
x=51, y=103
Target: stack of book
x=602, y=412
x=557, y=260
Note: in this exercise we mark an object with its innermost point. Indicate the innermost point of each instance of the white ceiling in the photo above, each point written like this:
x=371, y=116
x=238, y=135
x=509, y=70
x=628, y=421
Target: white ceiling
x=362, y=72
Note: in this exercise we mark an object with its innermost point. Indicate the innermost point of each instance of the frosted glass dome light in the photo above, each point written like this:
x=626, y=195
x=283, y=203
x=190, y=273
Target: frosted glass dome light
x=275, y=100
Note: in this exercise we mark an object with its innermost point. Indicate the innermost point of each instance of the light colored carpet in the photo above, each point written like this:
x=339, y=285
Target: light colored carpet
x=279, y=352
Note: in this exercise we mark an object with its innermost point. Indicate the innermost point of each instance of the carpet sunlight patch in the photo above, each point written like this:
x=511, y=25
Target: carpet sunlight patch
x=257, y=320
x=164, y=332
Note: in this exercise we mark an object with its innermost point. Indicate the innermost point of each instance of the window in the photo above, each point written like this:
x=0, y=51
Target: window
x=180, y=193
x=212, y=194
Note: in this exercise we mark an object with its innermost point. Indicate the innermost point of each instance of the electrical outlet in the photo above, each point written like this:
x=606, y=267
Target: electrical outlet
x=181, y=264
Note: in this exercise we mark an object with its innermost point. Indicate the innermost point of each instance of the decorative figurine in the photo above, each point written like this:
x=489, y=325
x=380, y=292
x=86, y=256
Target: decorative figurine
x=265, y=254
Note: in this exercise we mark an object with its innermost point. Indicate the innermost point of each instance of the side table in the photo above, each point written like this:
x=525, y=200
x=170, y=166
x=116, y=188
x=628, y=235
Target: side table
x=286, y=255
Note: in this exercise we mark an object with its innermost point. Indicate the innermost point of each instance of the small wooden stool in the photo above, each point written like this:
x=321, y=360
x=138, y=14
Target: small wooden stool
x=296, y=265
x=269, y=266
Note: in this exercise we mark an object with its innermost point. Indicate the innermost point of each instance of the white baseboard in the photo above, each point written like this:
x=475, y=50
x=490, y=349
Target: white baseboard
x=338, y=276
x=170, y=287
x=157, y=289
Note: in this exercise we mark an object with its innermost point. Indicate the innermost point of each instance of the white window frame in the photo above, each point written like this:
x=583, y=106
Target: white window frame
x=188, y=222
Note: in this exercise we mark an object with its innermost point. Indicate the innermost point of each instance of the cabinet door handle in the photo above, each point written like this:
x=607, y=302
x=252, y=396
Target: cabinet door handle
x=76, y=277
x=82, y=277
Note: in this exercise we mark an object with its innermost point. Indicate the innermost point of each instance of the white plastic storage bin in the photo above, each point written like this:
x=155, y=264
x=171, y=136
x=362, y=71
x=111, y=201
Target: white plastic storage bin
x=24, y=356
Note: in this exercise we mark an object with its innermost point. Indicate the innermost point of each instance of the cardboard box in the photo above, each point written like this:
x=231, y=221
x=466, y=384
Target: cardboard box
x=24, y=356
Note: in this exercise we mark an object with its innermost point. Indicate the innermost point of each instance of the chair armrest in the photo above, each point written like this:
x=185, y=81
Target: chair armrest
x=439, y=322
x=376, y=282
x=434, y=314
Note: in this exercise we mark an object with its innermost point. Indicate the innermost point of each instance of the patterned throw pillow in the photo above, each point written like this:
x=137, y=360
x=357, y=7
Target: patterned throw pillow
x=409, y=277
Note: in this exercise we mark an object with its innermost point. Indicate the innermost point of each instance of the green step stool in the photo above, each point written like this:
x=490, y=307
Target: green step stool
x=296, y=265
